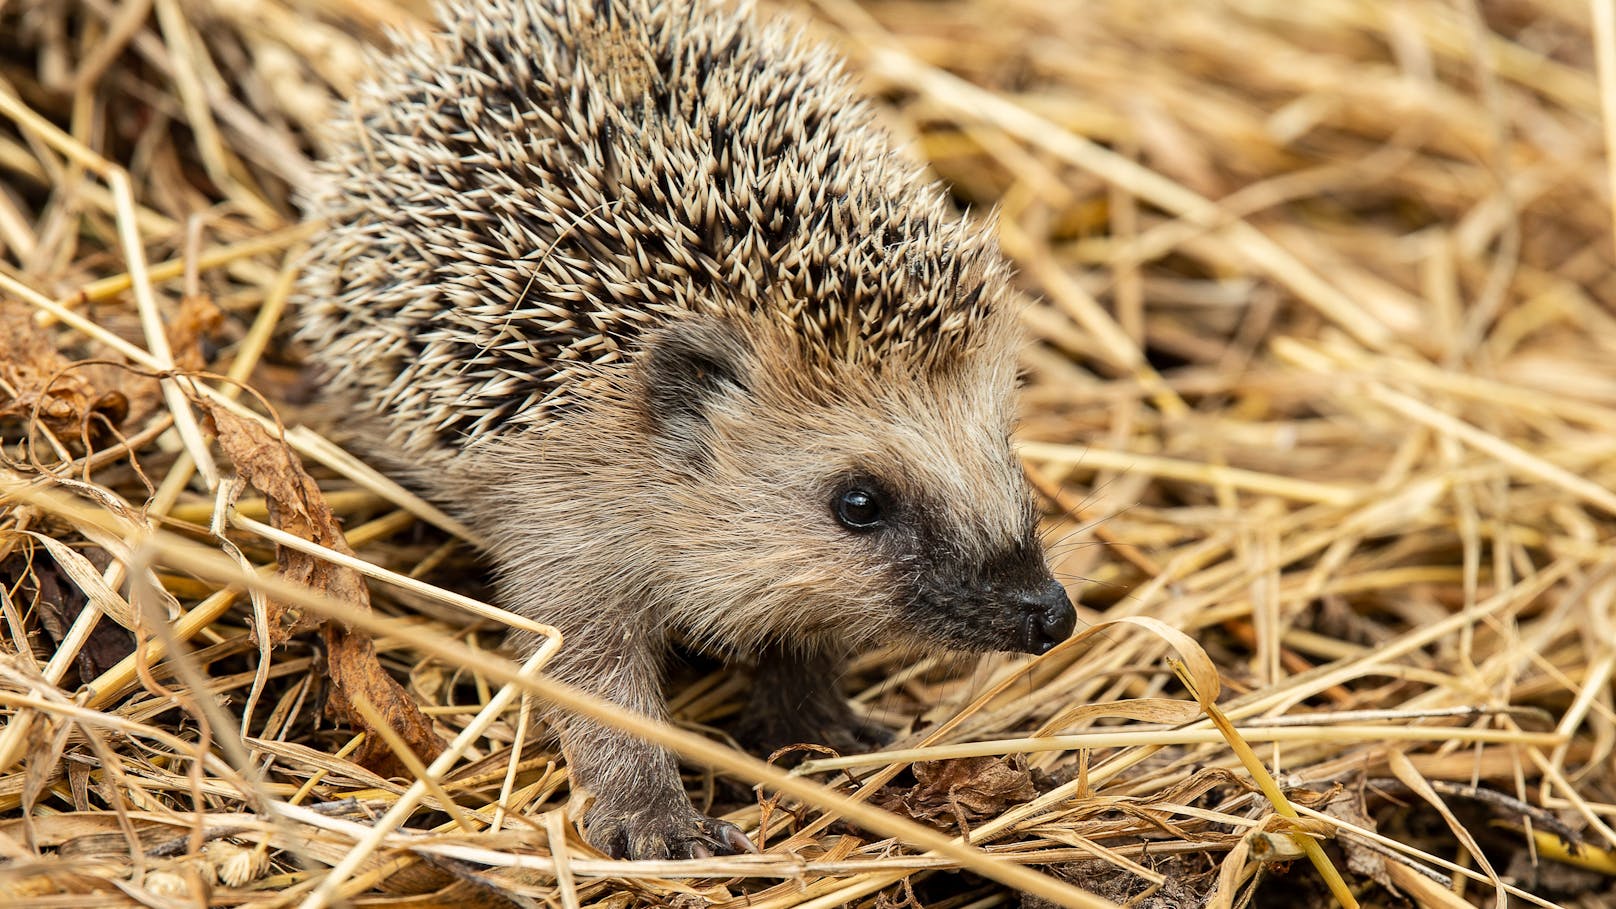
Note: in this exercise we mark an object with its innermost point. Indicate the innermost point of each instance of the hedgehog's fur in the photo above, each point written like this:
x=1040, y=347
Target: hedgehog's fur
x=641, y=290
x=550, y=179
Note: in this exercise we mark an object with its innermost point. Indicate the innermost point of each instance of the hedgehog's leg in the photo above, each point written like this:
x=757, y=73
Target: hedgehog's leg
x=796, y=700
x=641, y=810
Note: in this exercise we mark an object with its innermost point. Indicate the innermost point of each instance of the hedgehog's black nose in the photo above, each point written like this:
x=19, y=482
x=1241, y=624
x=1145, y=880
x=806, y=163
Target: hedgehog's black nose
x=1050, y=617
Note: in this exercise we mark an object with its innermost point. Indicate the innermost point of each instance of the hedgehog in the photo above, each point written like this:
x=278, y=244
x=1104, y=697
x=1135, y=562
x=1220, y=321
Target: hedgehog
x=643, y=292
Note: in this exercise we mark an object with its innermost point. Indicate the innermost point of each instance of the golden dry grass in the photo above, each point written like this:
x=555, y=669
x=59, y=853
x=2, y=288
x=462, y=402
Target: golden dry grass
x=1322, y=403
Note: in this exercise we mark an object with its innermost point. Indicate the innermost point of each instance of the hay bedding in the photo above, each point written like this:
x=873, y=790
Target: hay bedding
x=1323, y=406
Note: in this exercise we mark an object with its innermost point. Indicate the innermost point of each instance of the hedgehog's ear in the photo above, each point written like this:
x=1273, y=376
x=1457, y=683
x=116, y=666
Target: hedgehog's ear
x=686, y=370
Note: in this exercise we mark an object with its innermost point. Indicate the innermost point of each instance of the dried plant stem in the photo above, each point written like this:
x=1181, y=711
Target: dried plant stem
x=1317, y=396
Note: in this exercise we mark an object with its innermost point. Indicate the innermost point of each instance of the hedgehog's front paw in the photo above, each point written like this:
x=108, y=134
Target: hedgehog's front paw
x=839, y=730
x=851, y=735
x=871, y=736
x=676, y=831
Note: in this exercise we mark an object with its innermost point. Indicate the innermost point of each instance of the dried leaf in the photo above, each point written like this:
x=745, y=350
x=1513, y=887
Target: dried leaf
x=61, y=591
x=1361, y=859
x=983, y=784
x=86, y=576
x=35, y=378
x=966, y=789
x=1146, y=710
x=198, y=318
x=356, y=672
x=297, y=507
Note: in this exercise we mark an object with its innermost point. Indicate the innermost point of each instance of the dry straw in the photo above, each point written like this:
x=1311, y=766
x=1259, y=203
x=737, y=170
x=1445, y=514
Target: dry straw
x=1322, y=403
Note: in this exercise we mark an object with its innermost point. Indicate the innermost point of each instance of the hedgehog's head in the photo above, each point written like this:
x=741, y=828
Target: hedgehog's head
x=870, y=499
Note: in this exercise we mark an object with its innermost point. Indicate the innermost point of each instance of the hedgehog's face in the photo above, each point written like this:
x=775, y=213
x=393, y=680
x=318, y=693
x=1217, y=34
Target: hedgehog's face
x=895, y=512
x=960, y=553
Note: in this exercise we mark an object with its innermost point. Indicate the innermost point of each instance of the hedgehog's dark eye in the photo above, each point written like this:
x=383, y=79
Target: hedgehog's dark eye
x=859, y=510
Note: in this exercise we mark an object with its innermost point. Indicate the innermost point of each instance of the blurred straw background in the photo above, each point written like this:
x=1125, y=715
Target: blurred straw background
x=1321, y=400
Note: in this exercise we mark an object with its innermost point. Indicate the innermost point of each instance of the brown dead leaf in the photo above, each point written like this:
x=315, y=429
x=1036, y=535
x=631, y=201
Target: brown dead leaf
x=32, y=379
x=297, y=507
x=199, y=317
x=59, y=599
x=966, y=789
x=356, y=671
x=985, y=785
x=1361, y=859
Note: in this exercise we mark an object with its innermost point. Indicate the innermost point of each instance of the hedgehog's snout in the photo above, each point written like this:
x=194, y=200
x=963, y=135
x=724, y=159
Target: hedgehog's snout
x=1007, y=604
x=1047, y=617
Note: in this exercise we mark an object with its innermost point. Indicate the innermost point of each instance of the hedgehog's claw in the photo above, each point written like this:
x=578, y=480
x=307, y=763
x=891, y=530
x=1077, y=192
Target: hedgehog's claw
x=655, y=834
x=735, y=839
